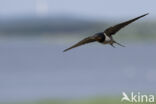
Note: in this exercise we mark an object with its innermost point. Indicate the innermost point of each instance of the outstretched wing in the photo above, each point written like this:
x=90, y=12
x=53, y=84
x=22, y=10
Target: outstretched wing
x=82, y=42
x=114, y=29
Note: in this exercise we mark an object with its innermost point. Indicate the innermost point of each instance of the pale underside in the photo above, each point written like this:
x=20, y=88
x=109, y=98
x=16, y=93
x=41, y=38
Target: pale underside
x=108, y=40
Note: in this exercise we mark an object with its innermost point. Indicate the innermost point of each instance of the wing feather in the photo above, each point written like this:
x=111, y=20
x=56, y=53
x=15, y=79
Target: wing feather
x=82, y=42
x=114, y=29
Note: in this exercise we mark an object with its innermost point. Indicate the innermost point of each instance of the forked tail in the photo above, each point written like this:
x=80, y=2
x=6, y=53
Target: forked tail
x=117, y=44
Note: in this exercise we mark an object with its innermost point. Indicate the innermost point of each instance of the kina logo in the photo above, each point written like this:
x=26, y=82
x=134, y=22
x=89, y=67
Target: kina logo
x=137, y=98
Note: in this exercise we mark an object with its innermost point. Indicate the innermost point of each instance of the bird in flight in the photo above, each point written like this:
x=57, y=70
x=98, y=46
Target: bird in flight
x=106, y=36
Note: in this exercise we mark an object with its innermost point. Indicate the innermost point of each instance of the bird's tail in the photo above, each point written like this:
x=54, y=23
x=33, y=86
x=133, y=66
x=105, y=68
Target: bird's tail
x=117, y=44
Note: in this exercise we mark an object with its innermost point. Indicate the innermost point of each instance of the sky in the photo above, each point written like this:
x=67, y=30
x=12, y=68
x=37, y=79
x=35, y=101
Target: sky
x=86, y=8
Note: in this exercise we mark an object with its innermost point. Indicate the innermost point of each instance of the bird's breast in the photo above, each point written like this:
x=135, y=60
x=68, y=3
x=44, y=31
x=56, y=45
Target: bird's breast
x=107, y=40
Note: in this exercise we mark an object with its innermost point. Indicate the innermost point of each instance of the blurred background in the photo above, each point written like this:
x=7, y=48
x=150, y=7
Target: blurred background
x=34, y=70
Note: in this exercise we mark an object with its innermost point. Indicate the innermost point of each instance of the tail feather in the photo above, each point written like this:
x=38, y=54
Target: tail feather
x=119, y=44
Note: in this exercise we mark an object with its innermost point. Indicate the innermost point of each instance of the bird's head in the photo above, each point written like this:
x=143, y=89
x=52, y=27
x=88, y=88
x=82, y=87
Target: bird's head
x=100, y=37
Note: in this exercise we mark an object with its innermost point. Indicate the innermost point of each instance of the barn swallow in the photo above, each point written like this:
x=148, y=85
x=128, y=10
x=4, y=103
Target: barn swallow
x=106, y=36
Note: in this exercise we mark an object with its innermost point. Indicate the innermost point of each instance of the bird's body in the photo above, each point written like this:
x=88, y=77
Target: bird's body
x=106, y=36
x=103, y=38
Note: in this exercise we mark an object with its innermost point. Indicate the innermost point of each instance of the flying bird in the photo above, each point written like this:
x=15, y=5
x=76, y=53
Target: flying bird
x=106, y=36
